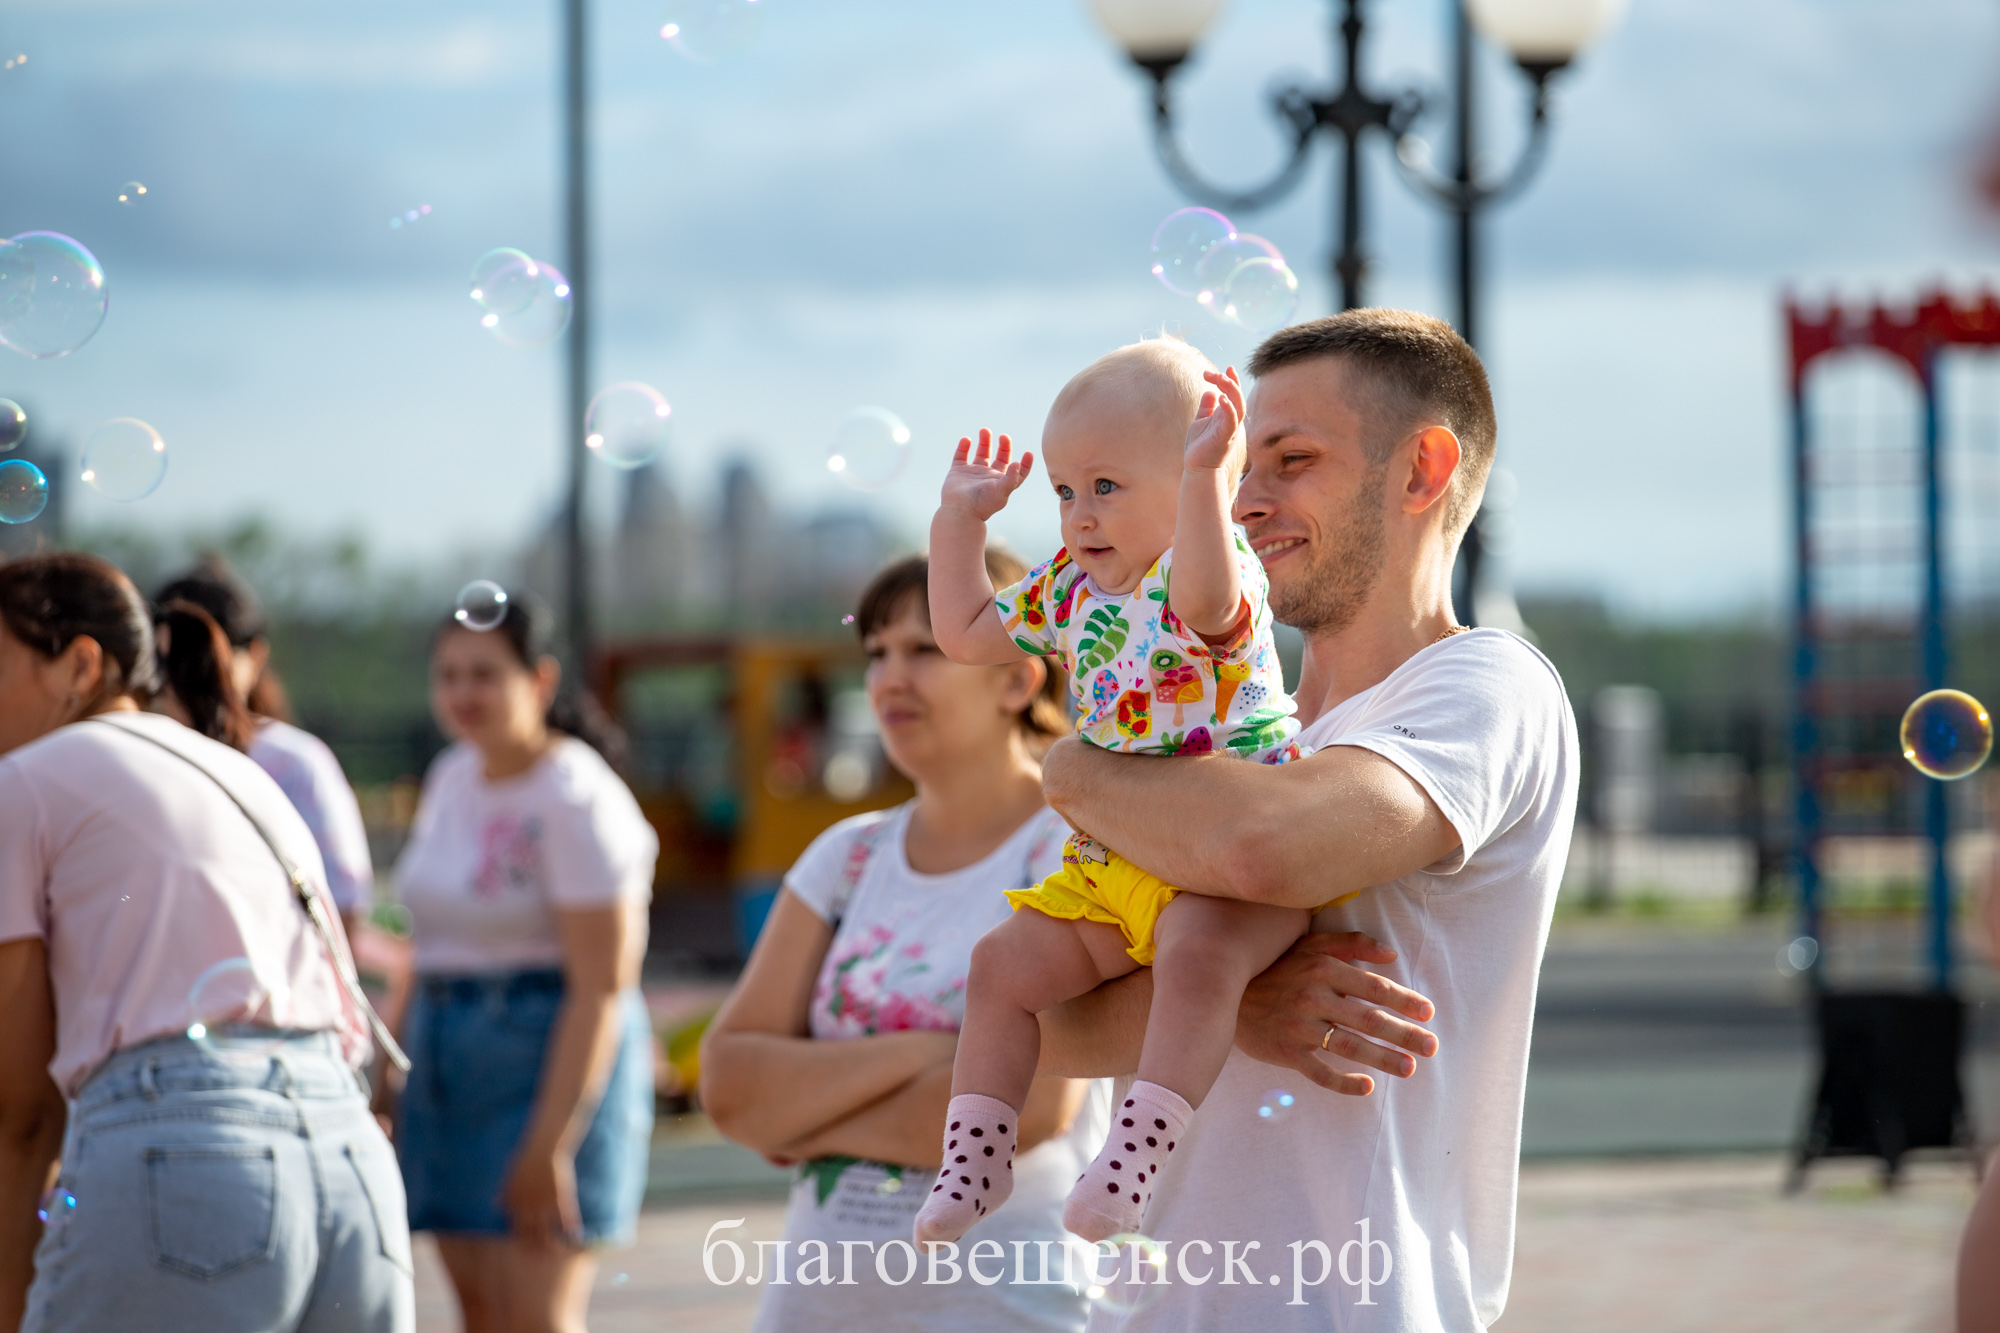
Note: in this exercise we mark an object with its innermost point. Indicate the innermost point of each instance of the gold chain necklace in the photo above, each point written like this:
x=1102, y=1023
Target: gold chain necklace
x=1450, y=630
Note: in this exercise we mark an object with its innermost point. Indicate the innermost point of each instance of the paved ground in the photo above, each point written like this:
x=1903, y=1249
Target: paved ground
x=1692, y=1245
x=1671, y=1062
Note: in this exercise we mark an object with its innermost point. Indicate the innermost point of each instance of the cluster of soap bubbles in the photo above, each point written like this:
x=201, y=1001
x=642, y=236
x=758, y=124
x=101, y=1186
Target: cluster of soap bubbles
x=418, y=213
x=708, y=32
x=1947, y=734
x=627, y=424
x=1125, y=1274
x=1239, y=278
x=870, y=447
x=130, y=193
x=524, y=301
x=52, y=294
x=482, y=605
x=1276, y=1105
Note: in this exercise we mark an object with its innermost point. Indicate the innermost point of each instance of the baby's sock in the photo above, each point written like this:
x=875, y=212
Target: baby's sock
x=1111, y=1197
x=978, y=1172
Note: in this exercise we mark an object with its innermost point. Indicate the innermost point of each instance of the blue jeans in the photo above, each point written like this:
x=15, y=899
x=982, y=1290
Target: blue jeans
x=239, y=1185
x=477, y=1045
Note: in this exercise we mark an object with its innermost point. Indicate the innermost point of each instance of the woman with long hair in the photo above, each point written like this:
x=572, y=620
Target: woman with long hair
x=182, y=1028
x=252, y=712
x=524, y=1125
x=834, y=1051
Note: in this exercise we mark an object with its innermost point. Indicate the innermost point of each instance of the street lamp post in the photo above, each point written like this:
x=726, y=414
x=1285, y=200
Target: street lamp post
x=576, y=366
x=1543, y=37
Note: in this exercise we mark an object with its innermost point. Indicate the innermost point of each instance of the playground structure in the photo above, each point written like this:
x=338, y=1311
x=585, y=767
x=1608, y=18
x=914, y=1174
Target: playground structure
x=1886, y=463
x=788, y=720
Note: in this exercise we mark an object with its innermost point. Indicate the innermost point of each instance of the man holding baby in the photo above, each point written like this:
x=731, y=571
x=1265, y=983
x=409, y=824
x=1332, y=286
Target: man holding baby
x=1432, y=813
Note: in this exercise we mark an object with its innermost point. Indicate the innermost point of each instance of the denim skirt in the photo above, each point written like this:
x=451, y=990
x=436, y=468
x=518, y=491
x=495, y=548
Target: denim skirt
x=238, y=1185
x=477, y=1045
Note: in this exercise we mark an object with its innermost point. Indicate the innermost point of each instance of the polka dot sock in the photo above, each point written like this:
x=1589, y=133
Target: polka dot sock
x=1111, y=1197
x=978, y=1172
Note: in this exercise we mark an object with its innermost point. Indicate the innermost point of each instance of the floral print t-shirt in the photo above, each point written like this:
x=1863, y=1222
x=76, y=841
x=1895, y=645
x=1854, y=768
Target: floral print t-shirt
x=902, y=945
x=1145, y=683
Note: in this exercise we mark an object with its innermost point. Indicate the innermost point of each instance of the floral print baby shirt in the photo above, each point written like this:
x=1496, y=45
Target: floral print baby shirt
x=1144, y=683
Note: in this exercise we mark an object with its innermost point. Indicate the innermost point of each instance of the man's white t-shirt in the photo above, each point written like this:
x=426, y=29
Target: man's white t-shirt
x=1418, y=1178
x=490, y=862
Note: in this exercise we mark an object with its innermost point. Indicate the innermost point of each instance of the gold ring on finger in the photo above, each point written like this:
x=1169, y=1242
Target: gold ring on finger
x=1327, y=1038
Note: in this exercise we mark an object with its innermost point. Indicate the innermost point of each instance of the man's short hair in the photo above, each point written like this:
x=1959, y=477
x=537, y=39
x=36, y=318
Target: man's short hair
x=1417, y=371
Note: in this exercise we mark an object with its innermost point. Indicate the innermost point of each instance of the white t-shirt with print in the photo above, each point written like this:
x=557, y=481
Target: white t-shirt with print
x=1430, y=1163
x=489, y=862
x=898, y=962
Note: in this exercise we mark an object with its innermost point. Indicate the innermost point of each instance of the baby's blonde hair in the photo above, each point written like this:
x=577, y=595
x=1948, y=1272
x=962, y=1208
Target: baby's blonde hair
x=1163, y=367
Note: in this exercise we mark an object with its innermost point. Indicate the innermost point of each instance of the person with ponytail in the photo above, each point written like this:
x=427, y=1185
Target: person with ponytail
x=524, y=1124
x=220, y=681
x=185, y=1144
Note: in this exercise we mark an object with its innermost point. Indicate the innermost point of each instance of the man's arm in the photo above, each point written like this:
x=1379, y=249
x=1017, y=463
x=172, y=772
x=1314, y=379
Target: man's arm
x=1295, y=835
x=1283, y=1019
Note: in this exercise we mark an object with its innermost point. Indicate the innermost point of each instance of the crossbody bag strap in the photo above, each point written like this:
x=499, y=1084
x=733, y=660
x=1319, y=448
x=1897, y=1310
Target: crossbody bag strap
x=302, y=893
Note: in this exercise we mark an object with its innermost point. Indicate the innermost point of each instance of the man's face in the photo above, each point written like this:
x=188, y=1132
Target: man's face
x=1312, y=504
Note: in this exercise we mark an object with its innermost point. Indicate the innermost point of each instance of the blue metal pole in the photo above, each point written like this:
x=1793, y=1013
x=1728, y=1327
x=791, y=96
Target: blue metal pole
x=1805, y=661
x=1937, y=811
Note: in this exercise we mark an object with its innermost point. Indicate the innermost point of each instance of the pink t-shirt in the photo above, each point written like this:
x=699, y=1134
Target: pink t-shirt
x=140, y=876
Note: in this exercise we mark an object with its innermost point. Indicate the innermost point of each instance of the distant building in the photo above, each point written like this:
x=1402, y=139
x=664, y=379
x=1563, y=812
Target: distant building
x=740, y=562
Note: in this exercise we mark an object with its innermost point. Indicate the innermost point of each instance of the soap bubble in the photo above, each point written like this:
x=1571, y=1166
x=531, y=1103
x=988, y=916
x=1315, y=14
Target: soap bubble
x=1260, y=295
x=52, y=294
x=620, y=1279
x=526, y=302
x=24, y=491
x=13, y=424
x=130, y=193
x=125, y=459
x=1125, y=1273
x=710, y=31
x=14, y=62
x=1947, y=734
x=1799, y=955
x=627, y=424
x=227, y=994
x=870, y=446
x=56, y=1207
x=889, y=1185
x=1180, y=242
x=1276, y=1105
x=1220, y=262
x=482, y=605
x=416, y=214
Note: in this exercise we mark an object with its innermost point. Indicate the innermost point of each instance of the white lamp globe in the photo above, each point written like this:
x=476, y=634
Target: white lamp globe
x=1156, y=29
x=1544, y=32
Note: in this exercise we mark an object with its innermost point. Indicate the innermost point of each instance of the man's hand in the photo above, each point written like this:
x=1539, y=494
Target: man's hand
x=1215, y=423
x=1287, y=1010
x=980, y=481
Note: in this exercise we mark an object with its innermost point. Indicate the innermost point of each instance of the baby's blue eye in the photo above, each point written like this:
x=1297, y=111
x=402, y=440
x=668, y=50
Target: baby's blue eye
x=1065, y=493
x=1105, y=485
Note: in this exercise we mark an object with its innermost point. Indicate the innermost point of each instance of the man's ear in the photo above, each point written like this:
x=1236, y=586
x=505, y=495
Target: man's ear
x=1433, y=463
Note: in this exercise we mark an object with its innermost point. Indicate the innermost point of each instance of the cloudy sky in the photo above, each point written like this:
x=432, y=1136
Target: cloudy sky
x=942, y=209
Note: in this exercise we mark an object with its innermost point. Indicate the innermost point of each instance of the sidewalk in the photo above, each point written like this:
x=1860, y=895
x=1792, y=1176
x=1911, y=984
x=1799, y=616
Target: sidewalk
x=1685, y=1245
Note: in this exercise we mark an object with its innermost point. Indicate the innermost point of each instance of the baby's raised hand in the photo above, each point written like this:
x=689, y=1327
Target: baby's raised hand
x=1215, y=422
x=981, y=480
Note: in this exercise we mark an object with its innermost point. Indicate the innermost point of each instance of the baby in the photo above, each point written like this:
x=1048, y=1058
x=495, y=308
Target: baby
x=1156, y=608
